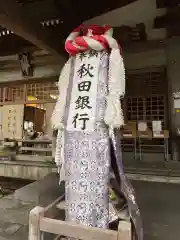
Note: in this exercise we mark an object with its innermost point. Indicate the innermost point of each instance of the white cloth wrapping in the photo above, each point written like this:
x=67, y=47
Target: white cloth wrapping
x=58, y=117
x=58, y=113
x=87, y=161
x=116, y=85
x=59, y=154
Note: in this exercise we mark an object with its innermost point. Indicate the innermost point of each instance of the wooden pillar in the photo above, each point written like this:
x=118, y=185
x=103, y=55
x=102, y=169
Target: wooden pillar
x=173, y=74
x=34, y=223
x=125, y=227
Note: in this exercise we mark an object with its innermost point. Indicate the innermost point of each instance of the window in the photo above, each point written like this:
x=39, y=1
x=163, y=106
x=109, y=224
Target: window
x=146, y=95
x=41, y=92
x=146, y=108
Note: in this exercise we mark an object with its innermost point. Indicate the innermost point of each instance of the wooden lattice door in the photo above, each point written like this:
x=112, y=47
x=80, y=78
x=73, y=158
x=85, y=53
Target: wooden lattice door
x=146, y=95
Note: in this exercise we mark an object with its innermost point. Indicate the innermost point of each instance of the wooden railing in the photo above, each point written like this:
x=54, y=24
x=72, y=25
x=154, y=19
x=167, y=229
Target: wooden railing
x=39, y=150
x=35, y=150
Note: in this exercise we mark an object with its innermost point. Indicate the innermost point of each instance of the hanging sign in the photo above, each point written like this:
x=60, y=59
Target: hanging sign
x=26, y=65
x=84, y=92
x=176, y=98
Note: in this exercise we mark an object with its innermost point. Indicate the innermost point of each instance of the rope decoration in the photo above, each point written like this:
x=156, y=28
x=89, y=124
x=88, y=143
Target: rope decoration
x=96, y=38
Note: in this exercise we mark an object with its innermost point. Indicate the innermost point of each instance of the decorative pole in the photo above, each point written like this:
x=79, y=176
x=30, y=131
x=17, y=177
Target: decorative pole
x=88, y=116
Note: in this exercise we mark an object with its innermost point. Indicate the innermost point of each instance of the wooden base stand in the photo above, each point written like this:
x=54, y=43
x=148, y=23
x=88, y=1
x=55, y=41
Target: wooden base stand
x=46, y=220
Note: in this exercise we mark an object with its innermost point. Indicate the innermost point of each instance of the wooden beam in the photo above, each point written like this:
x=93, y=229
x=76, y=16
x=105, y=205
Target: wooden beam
x=13, y=18
x=166, y=3
x=169, y=21
x=128, y=34
x=144, y=46
x=79, y=13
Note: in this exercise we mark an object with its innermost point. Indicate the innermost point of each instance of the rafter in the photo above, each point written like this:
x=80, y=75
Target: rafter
x=31, y=24
x=13, y=18
x=27, y=1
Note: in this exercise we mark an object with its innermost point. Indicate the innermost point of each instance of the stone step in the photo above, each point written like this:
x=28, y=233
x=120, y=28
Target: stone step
x=26, y=169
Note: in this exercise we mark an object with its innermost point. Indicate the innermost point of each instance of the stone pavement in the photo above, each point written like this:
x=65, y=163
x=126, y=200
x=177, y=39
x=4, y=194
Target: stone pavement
x=160, y=209
x=154, y=168
x=159, y=204
x=15, y=208
x=14, y=216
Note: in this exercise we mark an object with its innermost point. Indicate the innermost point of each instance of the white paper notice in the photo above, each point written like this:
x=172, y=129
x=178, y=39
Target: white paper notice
x=82, y=108
x=176, y=97
x=142, y=126
x=157, y=126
